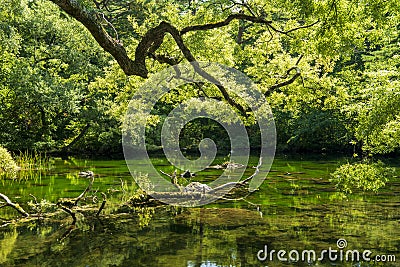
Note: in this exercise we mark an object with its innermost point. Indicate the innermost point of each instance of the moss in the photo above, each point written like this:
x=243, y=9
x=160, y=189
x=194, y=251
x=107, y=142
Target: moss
x=8, y=167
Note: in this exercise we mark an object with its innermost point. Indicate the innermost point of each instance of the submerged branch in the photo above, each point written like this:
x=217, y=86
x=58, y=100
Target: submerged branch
x=102, y=204
x=240, y=183
x=70, y=212
x=84, y=192
x=196, y=190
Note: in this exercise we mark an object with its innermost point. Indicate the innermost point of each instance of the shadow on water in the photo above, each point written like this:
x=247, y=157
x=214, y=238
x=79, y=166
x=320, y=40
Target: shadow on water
x=296, y=208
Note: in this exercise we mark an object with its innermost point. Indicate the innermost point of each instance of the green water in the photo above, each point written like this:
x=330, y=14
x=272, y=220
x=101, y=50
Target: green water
x=296, y=208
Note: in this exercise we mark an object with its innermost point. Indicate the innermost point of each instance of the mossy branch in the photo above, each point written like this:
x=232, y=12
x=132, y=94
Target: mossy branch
x=9, y=203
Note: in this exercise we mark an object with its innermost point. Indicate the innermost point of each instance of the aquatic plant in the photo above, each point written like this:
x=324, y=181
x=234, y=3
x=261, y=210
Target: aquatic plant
x=32, y=164
x=364, y=176
x=29, y=161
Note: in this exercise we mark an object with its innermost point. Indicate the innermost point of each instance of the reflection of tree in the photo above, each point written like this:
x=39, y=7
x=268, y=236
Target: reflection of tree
x=7, y=245
x=224, y=236
x=199, y=258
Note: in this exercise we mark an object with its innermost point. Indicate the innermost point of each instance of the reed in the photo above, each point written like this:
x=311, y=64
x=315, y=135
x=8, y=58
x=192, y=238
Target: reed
x=32, y=164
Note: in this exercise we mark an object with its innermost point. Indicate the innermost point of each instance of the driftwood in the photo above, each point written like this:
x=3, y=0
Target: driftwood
x=203, y=188
x=86, y=190
x=9, y=203
x=72, y=202
x=194, y=190
x=240, y=183
x=68, y=204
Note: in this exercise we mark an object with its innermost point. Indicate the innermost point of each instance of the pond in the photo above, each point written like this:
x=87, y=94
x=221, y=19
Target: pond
x=296, y=210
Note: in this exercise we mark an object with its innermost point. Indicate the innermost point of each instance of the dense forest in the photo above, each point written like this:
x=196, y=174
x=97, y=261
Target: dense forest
x=329, y=70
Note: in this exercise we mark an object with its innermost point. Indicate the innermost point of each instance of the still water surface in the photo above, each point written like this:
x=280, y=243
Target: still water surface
x=296, y=208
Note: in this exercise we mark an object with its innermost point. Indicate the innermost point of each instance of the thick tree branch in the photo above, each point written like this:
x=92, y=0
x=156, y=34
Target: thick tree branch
x=152, y=40
x=154, y=37
x=90, y=19
x=164, y=59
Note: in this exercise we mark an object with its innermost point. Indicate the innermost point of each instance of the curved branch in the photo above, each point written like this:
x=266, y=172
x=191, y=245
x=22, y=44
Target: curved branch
x=294, y=29
x=153, y=37
x=288, y=81
x=301, y=27
x=90, y=19
x=238, y=16
x=9, y=203
x=152, y=40
x=70, y=212
x=85, y=192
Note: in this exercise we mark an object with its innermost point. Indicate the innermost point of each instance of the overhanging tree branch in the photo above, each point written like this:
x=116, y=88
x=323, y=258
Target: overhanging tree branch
x=154, y=38
x=90, y=19
x=238, y=16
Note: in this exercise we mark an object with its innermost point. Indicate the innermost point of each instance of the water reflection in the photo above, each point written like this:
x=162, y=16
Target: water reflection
x=297, y=211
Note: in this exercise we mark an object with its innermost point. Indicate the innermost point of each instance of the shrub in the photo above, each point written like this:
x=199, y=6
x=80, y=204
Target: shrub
x=8, y=168
x=363, y=176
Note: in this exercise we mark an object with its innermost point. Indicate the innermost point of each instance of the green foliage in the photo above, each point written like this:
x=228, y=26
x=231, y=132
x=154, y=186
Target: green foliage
x=372, y=78
x=47, y=66
x=361, y=176
x=55, y=80
x=8, y=167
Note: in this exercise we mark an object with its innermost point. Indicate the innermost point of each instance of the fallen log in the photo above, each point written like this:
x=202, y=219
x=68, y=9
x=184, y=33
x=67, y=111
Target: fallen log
x=194, y=191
